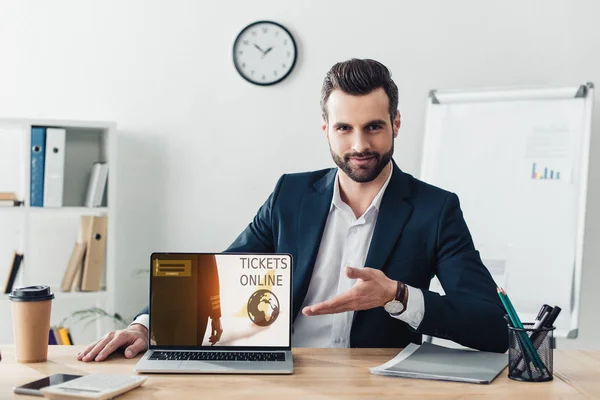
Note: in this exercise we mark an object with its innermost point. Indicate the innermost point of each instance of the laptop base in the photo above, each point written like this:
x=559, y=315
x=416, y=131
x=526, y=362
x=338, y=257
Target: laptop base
x=146, y=365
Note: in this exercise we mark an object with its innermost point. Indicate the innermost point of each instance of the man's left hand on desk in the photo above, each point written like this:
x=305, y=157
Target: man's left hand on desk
x=372, y=289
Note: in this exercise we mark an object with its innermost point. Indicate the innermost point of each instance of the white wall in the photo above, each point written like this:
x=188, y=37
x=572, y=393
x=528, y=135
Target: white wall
x=200, y=148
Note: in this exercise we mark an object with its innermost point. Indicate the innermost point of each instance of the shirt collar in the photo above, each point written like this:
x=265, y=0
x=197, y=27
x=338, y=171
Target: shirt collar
x=338, y=203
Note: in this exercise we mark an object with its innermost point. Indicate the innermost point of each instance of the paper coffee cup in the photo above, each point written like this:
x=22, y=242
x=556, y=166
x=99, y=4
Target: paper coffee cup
x=31, y=307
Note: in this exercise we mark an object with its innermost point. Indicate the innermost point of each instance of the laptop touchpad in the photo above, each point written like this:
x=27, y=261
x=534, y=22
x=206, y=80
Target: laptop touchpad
x=200, y=365
x=166, y=365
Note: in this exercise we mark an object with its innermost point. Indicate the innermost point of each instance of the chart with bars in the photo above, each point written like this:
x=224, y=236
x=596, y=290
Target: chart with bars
x=544, y=173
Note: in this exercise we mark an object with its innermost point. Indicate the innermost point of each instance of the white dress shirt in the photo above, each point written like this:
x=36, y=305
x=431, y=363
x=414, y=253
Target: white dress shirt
x=345, y=242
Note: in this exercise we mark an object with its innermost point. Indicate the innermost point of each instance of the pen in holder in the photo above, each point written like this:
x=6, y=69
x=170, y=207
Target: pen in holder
x=526, y=362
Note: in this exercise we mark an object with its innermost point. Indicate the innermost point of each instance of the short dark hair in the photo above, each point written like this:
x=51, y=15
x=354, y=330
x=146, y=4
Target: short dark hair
x=358, y=77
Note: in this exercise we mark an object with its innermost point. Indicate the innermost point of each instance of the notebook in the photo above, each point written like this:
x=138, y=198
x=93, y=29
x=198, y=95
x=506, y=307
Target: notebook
x=429, y=361
x=94, y=386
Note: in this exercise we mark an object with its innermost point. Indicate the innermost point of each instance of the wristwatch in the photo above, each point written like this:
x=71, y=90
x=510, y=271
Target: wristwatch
x=397, y=305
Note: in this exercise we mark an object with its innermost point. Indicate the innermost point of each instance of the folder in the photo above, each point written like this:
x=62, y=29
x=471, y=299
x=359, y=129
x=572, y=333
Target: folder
x=14, y=269
x=429, y=361
x=75, y=265
x=54, y=170
x=101, y=185
x=57, y=336
x=92, y=184
x=76, y=285
x=51, y=338
x=64, y=336
x=93, y=265
x=96, y=185
x=70, y=338
x=38, y=153
x=84, y=232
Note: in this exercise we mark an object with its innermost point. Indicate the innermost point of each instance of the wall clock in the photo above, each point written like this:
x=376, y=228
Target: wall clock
x=264, y=53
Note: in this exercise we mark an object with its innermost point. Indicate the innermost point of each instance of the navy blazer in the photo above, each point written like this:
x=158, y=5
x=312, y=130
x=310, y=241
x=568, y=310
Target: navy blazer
x=420, y=233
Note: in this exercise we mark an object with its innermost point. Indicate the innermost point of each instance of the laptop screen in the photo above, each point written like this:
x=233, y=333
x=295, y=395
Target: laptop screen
x=220, y=300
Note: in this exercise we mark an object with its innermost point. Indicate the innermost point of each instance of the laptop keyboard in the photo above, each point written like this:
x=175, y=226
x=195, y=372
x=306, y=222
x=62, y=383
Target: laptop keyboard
x=217, y=356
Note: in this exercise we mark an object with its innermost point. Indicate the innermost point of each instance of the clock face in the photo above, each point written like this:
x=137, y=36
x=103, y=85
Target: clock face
x=264, y=53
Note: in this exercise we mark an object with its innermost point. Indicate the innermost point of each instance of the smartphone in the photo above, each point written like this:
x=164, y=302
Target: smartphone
x=33, y=388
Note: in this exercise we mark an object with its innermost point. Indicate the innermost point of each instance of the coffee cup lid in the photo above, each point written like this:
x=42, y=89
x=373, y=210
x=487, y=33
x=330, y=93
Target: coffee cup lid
x=31, y=293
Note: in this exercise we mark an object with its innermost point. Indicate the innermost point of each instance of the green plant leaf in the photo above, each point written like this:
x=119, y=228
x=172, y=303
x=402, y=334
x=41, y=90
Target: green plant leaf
x=92, y=314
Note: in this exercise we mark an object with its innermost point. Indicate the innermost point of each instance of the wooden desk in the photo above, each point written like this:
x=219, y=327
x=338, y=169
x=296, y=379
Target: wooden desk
x=319, y=374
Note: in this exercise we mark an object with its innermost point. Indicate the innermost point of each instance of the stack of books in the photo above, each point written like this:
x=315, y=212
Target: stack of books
x=9, y=199
x=60, y=335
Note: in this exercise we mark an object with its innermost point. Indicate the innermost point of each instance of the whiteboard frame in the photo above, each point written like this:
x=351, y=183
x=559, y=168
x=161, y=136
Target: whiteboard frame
x=585, y=91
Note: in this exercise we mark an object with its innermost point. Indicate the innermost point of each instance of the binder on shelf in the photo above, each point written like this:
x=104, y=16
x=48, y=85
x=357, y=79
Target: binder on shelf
x=64, y=336
x=38, y=150
x=51, y=338
x=12, y=274
x=93, y=265
x=57, y=336
x=103, y=183
x=85, y=226
x=97, y=185
x=76, y=285
x=92, y=184
x=99, y=195
x=54, y=170
x=75, y=265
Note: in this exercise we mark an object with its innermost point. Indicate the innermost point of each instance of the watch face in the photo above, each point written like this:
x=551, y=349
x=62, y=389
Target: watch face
x=394, y=307
x=264, y=53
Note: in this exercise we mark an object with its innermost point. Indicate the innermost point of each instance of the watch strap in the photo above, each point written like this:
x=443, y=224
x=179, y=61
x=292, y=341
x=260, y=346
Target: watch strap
x=401, y=293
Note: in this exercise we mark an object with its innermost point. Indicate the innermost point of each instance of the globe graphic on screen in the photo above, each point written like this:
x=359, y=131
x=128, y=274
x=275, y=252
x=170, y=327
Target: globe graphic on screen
x=263, y=307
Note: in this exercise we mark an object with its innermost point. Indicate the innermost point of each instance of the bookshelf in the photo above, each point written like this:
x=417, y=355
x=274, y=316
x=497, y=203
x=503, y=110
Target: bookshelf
x=46, y=235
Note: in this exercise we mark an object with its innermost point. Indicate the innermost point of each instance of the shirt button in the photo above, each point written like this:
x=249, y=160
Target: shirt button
x=353, y=230
x=419, y=315
x=336, y=340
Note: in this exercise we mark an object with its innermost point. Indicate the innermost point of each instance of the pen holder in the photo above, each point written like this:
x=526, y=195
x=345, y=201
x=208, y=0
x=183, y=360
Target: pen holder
x=530, y=353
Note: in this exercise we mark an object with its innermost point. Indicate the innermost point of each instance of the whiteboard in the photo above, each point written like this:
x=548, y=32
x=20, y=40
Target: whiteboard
x=518, y=161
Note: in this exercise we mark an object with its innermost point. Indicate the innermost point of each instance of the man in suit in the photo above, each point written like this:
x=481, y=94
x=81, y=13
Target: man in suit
x=366, y=238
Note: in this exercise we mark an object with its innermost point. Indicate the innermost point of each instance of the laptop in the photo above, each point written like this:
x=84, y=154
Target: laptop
x=219, y=313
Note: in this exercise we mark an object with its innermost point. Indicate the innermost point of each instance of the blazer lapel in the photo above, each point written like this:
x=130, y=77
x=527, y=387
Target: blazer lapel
x=393, y=215
x=312, y=217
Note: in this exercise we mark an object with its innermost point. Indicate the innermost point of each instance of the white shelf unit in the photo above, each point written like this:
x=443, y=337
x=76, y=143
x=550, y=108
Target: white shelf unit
x=46, y=235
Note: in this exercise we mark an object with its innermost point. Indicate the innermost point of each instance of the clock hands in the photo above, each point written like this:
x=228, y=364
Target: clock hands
x=261, y=50
x=268, y=50
x=264, y=52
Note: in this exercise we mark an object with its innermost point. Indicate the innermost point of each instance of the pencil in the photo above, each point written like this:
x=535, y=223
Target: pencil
x=525, y=340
